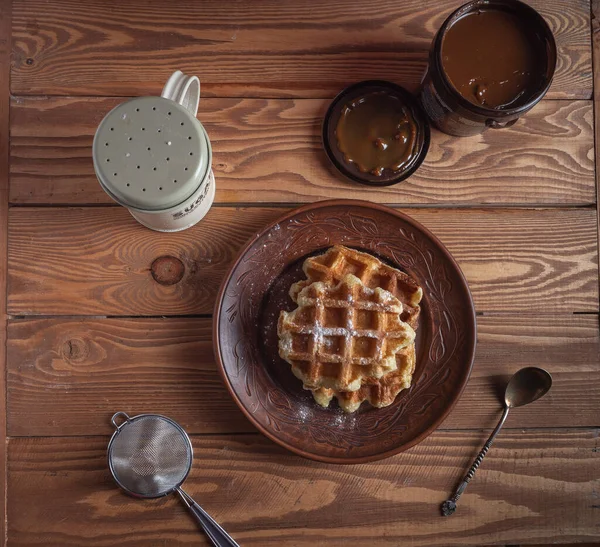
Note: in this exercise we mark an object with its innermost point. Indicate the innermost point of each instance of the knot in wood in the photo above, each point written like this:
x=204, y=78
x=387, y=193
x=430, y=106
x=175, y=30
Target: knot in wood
x=75, y=350
x=167, y=270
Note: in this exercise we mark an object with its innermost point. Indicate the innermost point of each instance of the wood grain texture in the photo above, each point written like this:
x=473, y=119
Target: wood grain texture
x=66, y=375
x=269, y=150
x=266, y=48
x=596, y=64
x=534, y=486
x=97, y=261
x=5, y=48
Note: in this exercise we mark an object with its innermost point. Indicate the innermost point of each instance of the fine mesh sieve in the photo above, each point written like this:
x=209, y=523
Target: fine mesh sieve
x=150, y=456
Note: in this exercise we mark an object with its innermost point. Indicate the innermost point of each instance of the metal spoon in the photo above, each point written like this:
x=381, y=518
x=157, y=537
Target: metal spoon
x=527, y=385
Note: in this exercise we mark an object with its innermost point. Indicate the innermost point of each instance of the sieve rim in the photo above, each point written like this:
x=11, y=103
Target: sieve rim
x=118, y=430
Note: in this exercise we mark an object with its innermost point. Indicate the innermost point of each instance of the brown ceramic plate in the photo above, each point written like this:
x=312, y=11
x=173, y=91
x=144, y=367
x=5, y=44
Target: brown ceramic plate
x=262, y=384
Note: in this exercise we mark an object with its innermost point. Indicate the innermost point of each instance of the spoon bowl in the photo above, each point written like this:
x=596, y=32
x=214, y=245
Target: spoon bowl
x=527, y=385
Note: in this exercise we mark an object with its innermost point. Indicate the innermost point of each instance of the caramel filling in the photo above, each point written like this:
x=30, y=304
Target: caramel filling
x=492, y=59
x=377, y=132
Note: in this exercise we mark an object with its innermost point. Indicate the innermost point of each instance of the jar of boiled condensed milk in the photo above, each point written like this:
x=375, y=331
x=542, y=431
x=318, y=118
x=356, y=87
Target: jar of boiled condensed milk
x=154, y=157
x=490, y=62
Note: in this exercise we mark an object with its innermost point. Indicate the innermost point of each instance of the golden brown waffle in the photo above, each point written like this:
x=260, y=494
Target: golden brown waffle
x=340, y=261
x=342, y=334
x=379, y=392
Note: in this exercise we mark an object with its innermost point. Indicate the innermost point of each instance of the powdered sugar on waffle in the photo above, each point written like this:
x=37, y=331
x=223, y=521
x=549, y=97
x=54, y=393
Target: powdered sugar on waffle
x=323, y=361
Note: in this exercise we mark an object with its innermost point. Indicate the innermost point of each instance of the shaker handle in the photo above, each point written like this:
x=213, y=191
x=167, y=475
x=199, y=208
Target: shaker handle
x=493, y=124
x=184, y=90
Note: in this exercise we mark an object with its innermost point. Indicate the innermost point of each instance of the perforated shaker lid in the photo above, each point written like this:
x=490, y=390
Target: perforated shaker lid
x=149, y=153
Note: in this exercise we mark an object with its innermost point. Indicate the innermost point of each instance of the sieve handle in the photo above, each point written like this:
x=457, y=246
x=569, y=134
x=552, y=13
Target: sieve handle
x=119, y=414
x=184, y=90
x=218, y=536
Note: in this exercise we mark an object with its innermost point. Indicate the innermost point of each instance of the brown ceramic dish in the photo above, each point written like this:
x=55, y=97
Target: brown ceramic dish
x=262, y=384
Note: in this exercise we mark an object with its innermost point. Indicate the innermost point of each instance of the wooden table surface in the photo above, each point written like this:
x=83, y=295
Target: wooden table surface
x=88, y=331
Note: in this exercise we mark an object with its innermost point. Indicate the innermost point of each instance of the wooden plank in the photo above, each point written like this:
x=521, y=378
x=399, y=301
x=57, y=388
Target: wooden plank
x=100, y=257
x=5, y=49
x=97, y=261
x=65, y=376
x=534, y=486
x=71, y=373
x=265, y=48
x=596, y=64
x=269, y=150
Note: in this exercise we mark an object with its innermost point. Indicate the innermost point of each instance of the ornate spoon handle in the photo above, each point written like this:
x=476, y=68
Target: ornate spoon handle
x=449, y=506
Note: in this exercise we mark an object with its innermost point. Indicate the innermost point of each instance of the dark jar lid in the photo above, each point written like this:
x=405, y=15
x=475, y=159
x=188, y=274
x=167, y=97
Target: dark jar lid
x=419, y=137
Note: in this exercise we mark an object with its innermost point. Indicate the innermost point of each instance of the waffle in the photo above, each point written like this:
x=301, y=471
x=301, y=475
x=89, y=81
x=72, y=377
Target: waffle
x=379, y=392
x=339, y=261
x=340, y=335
